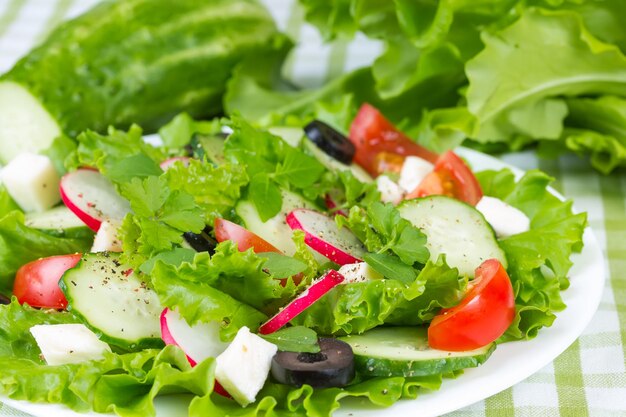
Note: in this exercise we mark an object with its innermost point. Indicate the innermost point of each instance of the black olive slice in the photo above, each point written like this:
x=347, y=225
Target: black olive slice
x=4, y=299
x=333, y=366
x=332, y=142
x=201, y=242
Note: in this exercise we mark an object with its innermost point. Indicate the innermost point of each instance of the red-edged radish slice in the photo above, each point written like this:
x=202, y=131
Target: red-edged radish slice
x=92, y=197
x=199, y=341
x=322, y=235
x=245, y=239
x=303, y=301
x=167, y=164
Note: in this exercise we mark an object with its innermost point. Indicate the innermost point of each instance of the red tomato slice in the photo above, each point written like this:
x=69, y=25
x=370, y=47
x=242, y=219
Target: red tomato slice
x=37, y=282
x=483, y=315
x=245, y=239
x=371, y=133
x=451, y=177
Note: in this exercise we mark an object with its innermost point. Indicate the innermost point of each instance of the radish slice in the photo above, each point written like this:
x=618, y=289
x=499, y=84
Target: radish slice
x=320, y=287
x=322, y=235
x=198, y=342
x=167, y=164
x=92, y=197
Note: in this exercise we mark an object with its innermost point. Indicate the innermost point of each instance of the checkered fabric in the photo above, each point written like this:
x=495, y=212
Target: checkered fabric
x=589, y=378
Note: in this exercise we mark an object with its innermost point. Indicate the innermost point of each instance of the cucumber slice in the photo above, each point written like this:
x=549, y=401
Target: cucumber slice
x=25, y=125
x=116, y=305
x=275, y=230
x=57, y=219
x=334, y=165
x=404, y=351
x=455, y=229
x=292, y=135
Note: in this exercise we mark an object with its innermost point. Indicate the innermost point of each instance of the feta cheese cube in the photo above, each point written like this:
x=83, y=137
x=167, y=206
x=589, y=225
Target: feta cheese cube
x=358, y=272
x=106, y=239
x=61, y=344
x=389, y=190
x=413, y=172
x=32, y=182
x=505, y=220
x=244, y=366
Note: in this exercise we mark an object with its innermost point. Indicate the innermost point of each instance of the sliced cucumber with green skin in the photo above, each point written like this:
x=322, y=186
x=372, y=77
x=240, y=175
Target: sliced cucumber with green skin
x=404, y=351
x=57, y=220
x=455, y=229
x=275, y=230
x=292, y=135
x=334, y=165
x=115, y=303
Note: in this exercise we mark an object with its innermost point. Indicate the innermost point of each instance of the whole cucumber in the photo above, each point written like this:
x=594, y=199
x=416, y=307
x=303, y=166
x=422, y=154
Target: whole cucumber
x=129, y=61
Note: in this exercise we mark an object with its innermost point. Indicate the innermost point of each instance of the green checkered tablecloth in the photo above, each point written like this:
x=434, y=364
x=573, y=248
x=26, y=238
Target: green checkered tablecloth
x=589, y=378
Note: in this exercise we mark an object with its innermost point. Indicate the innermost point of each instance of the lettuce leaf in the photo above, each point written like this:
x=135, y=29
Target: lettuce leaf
x=566, y=59
x=358, y=307
x=127, y=384
x=215, y=190
x=20, y=244
x=539, y=260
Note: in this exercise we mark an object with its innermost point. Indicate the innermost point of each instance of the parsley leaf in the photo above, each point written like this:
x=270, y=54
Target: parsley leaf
x=270, y=162
x=282, y=266
x=265, y=195
x=294, y=339
x=160, y=217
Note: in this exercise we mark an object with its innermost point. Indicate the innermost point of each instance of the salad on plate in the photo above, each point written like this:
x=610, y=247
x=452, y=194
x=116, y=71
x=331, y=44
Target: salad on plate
x=297, y=251
x=271, y=271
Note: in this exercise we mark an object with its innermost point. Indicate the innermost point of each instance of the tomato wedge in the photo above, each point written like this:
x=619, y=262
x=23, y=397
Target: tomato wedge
x=451, y=177
x=245, y=239
x=371, y=133
x=483, y=315
x=37, y=282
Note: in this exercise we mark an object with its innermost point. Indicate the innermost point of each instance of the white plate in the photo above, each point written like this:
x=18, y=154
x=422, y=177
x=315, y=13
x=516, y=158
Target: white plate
x=509, y=364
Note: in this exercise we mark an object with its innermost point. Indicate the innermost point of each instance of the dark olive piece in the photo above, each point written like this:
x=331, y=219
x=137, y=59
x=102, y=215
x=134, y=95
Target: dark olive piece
x=4, y=299
x=201, y=242
x=333, y=366
x=332, y=142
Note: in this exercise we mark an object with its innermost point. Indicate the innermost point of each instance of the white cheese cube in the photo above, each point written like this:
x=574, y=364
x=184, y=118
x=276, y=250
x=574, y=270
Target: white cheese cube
x=61, y=344
x=32, y=182
x=505, y=219
x=358, y=272
x=106, y=239
x=244, y=366
x=389, y=190
x=414, y=170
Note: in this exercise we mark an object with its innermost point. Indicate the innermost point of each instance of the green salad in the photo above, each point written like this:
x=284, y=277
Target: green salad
x=237, y=197
x=272, y=251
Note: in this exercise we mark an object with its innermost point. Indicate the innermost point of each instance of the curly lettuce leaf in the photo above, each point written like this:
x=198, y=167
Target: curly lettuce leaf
x=540, y=259
x=128, y=384
x=357, y=307
x=215, y=190
x=118, y=155
x=595, y=126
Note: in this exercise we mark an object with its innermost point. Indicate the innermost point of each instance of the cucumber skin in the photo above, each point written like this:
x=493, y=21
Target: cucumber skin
x=143, y=61
x=371, y=367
